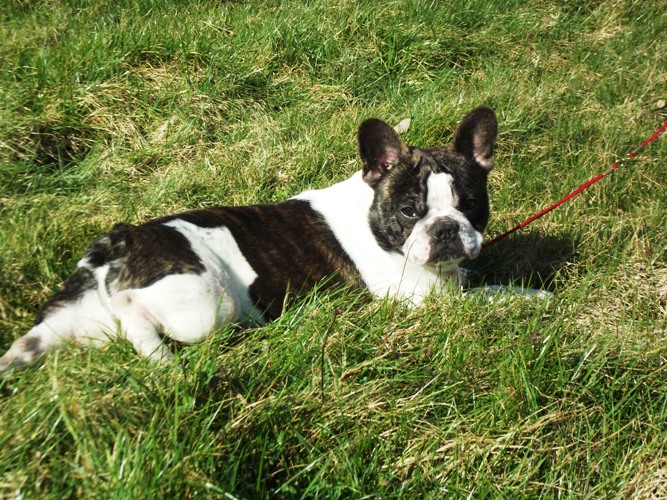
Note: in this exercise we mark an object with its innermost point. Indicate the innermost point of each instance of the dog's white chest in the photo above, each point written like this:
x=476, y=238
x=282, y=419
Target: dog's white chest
x=345, y=207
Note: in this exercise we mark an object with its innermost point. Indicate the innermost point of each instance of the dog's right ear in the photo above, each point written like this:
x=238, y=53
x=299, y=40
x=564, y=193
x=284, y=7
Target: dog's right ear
x=380, y=148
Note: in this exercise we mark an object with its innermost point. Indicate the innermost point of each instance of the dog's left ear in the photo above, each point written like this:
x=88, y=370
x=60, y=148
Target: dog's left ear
x=380, y=148
x=475, y=136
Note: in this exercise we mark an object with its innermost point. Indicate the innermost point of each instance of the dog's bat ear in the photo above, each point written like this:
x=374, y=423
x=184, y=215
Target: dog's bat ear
x=380, y=148
x=475, y=136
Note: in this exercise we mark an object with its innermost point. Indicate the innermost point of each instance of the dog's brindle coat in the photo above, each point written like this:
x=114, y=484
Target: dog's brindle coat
x=399, y=228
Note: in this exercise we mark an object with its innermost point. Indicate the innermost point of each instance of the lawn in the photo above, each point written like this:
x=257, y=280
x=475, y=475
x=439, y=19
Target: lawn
x=125, y=111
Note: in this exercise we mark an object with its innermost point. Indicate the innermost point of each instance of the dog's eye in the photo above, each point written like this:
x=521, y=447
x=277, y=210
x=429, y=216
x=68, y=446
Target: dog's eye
x=470, y=204
x=408, y=212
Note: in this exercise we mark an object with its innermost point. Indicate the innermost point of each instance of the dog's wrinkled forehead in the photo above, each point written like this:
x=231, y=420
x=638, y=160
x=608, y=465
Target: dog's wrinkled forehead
x=441, y=173
x=432, y=179
x=438, y=160
x=440, y=195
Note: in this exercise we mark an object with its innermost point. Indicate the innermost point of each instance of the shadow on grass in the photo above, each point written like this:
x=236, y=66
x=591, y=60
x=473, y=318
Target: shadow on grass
x=526, y=258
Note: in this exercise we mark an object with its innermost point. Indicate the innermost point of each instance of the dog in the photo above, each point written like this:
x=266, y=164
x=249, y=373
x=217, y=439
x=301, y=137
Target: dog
x=399, y=228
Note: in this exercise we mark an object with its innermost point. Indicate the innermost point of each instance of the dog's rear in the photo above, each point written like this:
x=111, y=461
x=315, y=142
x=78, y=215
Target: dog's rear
x=183, y=276
x=139, y=277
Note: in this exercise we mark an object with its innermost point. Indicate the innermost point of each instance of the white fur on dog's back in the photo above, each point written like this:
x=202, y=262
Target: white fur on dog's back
x=228, y=271
x=185, y=307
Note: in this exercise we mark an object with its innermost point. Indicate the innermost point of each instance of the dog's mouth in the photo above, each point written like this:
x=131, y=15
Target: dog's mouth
x=451, y=257
x=426, y=255
x=442, y=241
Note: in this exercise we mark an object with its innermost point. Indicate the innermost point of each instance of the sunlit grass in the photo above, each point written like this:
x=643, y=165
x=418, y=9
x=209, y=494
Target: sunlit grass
x=127, y=111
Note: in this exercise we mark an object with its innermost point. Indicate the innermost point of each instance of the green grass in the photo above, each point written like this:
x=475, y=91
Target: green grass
x=123, y=111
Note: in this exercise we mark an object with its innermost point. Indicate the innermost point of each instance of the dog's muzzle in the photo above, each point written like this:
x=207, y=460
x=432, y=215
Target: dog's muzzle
x=441, y=240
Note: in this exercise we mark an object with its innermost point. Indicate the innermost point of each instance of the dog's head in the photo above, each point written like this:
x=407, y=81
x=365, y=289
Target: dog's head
x=430, y=204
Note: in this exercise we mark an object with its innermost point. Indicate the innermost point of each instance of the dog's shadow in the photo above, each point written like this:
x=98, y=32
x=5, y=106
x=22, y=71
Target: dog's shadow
x=528, y=259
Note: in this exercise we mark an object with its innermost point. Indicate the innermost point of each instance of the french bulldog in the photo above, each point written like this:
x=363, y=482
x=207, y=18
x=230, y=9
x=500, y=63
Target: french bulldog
x=399, y=228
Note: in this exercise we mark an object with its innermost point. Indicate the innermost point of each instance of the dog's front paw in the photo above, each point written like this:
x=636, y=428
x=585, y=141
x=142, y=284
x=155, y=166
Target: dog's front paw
x=505, y=292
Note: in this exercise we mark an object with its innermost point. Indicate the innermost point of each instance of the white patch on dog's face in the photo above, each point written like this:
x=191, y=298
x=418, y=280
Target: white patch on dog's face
x=440, y=196
x=441, y=201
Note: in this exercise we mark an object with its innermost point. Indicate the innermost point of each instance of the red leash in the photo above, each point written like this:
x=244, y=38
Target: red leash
x=576, y=191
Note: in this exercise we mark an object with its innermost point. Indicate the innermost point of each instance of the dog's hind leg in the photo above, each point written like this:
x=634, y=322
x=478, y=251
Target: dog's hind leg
x=185, y=307
x=139, y=325
x=78, y=313
x=49, y=335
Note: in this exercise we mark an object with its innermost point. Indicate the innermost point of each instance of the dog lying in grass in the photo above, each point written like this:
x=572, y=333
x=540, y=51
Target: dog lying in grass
x=399, y=227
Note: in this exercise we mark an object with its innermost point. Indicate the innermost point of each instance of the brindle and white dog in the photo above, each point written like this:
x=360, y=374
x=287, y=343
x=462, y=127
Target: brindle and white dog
x=398, y=228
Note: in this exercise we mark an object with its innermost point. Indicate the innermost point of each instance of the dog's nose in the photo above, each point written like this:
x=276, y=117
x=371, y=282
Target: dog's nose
x=444, y=230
